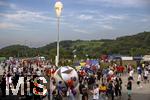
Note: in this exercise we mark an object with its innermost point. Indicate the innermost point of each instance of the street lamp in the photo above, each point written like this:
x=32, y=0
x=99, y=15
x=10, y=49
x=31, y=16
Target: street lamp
x=58, y=9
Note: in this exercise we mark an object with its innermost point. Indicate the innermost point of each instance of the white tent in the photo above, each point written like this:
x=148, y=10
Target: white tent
x=146, y=58
x=126, y=58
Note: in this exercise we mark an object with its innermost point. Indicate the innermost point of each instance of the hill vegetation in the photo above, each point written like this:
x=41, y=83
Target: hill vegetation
x=134, y=45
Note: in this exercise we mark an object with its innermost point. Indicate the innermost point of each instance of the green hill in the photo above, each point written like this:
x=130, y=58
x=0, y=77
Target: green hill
x=17, y=51
x=134, y=45
x=68, y=47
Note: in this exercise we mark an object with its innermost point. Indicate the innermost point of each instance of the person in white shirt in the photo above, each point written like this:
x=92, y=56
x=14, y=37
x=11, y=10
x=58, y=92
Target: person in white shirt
x=96, y=92
x=131, y=74
x=146, y=75
x=14, y=69
x=139, y=81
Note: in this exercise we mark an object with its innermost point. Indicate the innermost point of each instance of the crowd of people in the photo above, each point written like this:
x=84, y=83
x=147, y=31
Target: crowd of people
x=107, y=83
x=98, y=84
x=29, y=69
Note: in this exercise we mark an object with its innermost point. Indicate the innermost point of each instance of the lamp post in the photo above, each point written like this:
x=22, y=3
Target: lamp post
x=58, y=9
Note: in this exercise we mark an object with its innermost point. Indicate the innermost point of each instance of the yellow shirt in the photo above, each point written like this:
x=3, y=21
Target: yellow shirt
x=103, y=88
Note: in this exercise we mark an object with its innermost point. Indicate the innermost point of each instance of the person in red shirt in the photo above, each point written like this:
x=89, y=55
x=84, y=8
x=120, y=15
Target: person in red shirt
x=70, y=84
x=82, y=73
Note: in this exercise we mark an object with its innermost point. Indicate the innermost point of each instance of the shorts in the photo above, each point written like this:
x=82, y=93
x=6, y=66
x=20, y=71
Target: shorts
x=129, y=92
x=138, y=82
x=130, y=78
x=145, y=77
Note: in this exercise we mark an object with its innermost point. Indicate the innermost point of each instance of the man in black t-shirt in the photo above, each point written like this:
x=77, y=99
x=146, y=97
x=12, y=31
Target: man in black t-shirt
x=129, y=88
x=85, y=94
x=111, y=89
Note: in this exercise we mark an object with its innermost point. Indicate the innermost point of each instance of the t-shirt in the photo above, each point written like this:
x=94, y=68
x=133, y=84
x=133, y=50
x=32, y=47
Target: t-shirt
x=129, y=85
x=131, y=73
x=70, y=83
x=14, y=69
x=81, y=86
x=91, y=80
x=146, y=73
x=96, y=94
x=103, y=88
x=110, y=87
x=139, y=70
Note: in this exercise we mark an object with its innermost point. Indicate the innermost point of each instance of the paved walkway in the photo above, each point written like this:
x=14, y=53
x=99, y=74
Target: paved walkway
x=138, y=93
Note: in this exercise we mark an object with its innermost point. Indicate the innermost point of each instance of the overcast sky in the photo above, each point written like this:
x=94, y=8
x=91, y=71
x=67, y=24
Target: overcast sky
x=33, y=22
